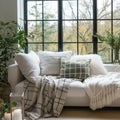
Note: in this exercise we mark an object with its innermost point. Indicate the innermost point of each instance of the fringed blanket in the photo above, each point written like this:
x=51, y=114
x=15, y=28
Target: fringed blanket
x=103, y=89
x=45, y=98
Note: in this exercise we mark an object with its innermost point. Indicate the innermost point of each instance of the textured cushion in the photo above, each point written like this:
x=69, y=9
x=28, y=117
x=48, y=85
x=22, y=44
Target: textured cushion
x=79, y=69
x=96, y=65
x=28, y=64
x=50, y=61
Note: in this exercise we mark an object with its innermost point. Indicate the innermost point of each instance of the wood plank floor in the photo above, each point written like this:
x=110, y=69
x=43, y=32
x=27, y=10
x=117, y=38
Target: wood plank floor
x=85, y=113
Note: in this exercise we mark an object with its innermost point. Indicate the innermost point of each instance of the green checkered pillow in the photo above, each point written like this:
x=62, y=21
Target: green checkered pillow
x=79, y=69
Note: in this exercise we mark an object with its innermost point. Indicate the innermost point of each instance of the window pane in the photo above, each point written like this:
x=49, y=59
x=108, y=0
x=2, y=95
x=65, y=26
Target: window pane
x=116, y=26
x=51, y=31
x=50, y=10
x=77, y=23
x=105, y=52
x=51, y=47
x=103, y=25
x=35, y=31
x=85, y=9
x=70, y=9
x=34, y=11
x=104, y=9
x=85, y=48
x=70, y=31
x=38, y=47
x=85, y=31
x=116, y=9
x=70, y=47
x=103, y=49
x=34, y=47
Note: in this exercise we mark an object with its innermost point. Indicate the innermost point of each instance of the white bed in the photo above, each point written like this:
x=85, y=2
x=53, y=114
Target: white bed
x=76, y=96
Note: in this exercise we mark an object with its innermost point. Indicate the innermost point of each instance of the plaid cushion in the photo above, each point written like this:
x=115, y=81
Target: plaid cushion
x=79, y=69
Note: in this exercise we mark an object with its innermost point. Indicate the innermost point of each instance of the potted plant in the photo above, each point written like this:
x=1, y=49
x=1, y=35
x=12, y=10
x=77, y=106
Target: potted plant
x=113, y=40
x=5, y=109
x=12, y=40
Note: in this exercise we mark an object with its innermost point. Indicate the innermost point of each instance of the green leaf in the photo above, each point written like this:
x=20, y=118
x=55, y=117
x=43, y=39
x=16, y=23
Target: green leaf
x=7, y=44
x=14, y=104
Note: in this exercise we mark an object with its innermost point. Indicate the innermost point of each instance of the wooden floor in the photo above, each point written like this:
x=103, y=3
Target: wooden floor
x=84, y=113
x=88, y=114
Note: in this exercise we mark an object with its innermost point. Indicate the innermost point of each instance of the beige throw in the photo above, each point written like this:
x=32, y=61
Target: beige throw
x=103, y=89
x=45, y=98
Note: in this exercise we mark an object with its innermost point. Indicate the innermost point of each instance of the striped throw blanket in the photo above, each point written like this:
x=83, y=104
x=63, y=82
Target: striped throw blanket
x=46, y=97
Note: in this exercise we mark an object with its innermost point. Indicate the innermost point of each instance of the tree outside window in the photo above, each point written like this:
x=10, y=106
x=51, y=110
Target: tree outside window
x=77, y=23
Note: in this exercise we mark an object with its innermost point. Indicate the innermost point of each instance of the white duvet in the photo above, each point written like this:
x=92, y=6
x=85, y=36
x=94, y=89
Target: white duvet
x=102, y=89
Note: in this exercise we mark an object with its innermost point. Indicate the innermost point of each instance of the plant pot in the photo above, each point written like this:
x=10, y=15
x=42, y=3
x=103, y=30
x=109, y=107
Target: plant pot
x=5, y=90
x=116, y=56
x=7, y=116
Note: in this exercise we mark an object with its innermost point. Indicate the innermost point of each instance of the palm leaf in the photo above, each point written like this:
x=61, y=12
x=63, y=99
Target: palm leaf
x=109, y=38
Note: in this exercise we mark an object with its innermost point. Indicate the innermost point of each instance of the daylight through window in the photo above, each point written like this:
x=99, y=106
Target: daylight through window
x=59, y=25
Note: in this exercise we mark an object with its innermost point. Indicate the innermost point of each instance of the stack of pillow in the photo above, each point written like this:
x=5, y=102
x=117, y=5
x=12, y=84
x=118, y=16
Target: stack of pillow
x=62, y=64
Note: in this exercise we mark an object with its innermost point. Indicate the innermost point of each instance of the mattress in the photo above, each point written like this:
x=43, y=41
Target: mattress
x=76, y=95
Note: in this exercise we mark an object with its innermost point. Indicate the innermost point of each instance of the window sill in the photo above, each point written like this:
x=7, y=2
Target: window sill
x=112, y=67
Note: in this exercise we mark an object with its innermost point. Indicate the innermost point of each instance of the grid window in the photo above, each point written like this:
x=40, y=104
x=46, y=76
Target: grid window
x=60, y=25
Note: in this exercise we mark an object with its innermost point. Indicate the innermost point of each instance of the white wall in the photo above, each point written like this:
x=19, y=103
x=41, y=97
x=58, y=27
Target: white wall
x=20, y=13
x=8, y=10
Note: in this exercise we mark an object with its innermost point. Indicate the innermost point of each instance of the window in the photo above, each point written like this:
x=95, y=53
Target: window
x=107, y=19
x=59, y=25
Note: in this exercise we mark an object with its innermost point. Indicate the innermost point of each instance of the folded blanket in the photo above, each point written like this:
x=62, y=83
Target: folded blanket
x=45, y=98
x=102, y=89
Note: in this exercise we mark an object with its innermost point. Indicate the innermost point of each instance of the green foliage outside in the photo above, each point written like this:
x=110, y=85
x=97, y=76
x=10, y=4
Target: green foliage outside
x=45, y=31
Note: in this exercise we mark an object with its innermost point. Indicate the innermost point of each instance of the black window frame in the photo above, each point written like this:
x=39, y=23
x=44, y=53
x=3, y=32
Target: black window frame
x=60, y=25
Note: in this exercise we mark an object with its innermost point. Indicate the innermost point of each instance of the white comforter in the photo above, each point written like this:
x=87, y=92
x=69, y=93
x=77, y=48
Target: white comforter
x=103, y=89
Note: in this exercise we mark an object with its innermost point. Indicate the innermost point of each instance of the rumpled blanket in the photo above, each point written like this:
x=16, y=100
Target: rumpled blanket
x=46, y=97
x=102, y=89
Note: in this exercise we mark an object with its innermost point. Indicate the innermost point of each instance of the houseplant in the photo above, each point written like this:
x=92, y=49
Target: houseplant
x=12, y=40
x=5, y=107
x=113, y=40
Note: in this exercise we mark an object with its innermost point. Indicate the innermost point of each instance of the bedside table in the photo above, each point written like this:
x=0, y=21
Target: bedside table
x=112, y=67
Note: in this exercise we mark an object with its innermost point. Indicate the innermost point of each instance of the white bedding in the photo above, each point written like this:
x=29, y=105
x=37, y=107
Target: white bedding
x=102, y=89
x=76, y=96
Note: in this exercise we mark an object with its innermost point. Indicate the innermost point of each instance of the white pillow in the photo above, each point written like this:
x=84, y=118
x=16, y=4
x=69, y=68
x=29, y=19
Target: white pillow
x=96, y=65
x=28, y=64
x=50, y=61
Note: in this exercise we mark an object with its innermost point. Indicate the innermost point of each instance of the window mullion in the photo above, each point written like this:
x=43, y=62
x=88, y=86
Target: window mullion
x=95, y=41
x=60, y=26
x=112, y=26
x=43, y=25
x=77, y=27
x=26, y=24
